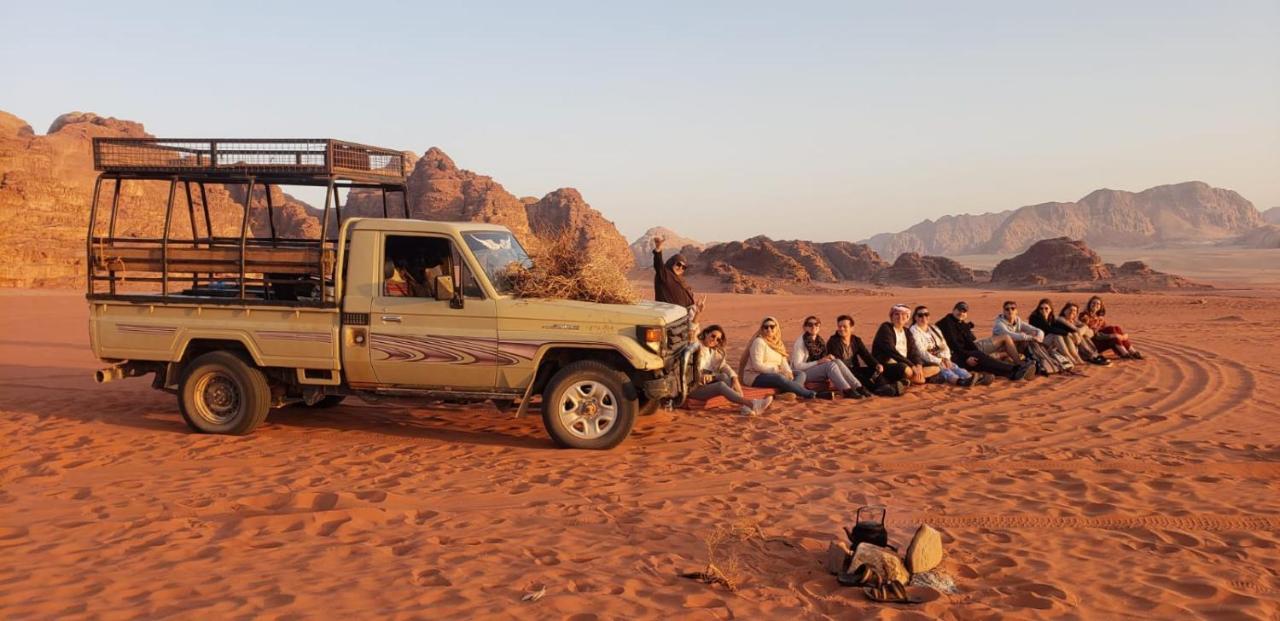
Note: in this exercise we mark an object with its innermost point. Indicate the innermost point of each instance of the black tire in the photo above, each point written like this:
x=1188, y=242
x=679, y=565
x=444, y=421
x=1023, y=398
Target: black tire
x=221, y=393
x=601, y=390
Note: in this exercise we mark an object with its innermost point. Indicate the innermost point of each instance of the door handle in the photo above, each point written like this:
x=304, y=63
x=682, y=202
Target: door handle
x=391, y=318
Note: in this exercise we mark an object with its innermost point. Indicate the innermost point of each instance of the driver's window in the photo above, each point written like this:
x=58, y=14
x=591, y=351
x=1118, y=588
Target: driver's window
x=412, y=266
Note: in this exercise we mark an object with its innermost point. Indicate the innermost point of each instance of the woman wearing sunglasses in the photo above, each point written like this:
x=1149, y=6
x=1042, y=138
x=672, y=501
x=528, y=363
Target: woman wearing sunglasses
x=1081, y=335
x=934, y=353
x=809, y=354
x=765, y=363
x=714, y=376
x=1058, y=336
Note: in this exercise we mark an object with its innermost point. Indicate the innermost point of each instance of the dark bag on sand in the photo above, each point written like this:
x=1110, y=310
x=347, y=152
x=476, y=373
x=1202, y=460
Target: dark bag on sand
x=1046, y=363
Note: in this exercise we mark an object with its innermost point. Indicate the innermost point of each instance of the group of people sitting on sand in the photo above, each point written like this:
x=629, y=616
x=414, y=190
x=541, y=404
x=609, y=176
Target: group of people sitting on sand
x=908, y=349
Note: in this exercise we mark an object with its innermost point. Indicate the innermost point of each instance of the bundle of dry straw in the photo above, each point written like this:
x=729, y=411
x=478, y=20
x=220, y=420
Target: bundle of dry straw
x=564, y=270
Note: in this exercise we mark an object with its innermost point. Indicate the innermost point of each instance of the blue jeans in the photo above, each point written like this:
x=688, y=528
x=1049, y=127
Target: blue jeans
x=782, y=384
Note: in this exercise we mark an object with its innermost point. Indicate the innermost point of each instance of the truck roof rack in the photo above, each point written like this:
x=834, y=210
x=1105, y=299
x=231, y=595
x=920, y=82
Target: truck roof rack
x=292, y=161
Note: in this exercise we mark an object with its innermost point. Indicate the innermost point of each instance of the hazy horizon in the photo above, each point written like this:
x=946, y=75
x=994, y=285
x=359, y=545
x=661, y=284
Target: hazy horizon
x=722, y=120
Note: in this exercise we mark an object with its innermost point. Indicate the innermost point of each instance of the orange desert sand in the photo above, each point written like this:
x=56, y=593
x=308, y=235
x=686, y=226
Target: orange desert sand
x=1146, y=490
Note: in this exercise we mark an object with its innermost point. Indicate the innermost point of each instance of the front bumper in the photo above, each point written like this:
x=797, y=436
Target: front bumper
x=675, y=378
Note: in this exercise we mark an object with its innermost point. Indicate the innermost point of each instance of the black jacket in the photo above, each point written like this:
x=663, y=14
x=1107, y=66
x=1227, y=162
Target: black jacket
x=667, y=287
x=1050, y=325
x=882, y=347
x=857, y=351
x=959, y=336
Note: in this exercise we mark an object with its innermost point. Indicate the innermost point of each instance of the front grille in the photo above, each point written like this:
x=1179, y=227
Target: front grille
x=677, y=335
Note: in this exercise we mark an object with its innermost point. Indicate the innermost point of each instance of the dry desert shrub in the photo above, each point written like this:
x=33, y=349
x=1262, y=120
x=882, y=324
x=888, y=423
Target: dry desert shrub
x=730, y=548
x=564, y=270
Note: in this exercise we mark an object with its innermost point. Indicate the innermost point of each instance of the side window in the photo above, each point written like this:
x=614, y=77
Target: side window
x=411, y=265
x=470, y=287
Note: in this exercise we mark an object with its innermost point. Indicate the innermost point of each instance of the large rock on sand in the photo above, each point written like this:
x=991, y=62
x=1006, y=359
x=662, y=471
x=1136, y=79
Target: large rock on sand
x=925, y=550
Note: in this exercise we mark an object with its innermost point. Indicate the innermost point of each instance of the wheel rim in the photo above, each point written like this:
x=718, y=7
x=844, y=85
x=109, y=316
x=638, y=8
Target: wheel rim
x=217, y=398
x=588, y=409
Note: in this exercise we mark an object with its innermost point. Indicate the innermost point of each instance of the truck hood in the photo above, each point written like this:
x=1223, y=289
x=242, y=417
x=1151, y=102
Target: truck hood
x=572, y=311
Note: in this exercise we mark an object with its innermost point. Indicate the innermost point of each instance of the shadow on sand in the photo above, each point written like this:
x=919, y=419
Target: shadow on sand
x=70, y=393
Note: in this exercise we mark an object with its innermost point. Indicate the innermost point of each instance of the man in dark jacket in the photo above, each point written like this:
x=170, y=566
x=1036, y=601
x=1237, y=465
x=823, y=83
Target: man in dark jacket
x=966, y=351
x=668, y=279
x=893, y=348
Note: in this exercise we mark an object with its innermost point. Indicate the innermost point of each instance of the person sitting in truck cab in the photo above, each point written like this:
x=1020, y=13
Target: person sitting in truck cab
x=396, y=283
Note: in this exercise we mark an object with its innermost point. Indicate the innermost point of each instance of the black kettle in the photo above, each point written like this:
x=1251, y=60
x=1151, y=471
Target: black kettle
x=870, y=530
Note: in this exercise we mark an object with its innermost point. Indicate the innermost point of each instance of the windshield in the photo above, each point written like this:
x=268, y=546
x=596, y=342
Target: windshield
x=495, y=251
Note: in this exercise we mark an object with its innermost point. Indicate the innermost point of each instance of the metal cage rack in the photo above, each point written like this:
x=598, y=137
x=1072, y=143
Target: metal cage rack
x=282, y=158
x=232, y=270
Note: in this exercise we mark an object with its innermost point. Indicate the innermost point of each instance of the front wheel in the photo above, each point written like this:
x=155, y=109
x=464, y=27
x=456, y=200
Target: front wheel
x=585, y=406
x=221, y=393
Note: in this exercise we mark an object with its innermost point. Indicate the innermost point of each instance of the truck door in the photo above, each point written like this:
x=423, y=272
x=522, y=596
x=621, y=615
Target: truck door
x=417, y=339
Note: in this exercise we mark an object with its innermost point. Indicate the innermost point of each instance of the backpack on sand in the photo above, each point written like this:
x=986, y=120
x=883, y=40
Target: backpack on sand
x=1046, y=363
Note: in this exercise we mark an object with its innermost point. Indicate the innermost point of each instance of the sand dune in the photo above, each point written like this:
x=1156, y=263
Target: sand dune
x=1145, y=490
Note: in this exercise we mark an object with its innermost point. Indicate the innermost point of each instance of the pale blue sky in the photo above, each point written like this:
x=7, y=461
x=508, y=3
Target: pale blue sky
x=719, y=119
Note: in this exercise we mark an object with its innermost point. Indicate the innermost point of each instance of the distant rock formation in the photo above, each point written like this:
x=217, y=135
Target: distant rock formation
x=564, y=212
x=1271, y=216
x=948, y=235
x=46, y=185
x=439, y=190
x=794, y=261
x=1184, y=212
x=642, y=247
x=1265, y=236
x=1072, y=264
x=913, y=270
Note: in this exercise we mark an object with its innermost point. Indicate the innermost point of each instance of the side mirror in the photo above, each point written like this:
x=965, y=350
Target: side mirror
x=444, y=288
x=456, y=300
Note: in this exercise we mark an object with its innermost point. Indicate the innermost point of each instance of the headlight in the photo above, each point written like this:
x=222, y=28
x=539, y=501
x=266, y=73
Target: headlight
x=650, y=336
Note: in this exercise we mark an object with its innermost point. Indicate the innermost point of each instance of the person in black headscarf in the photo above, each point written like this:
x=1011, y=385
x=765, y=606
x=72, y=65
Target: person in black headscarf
x=668, y=280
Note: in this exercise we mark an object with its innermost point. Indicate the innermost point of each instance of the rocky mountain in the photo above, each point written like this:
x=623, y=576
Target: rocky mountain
x=914, y=270
x=46, y=185
x=642, y=247
x=1070, y=263
x=1265, y=236
x=1271, y=216
x=1183, y=212
x=439, y=190
x=948, y=235
x=792, y=261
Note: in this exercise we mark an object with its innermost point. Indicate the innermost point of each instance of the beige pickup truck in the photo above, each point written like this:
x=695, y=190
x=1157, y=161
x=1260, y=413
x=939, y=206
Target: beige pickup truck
x=376, y=307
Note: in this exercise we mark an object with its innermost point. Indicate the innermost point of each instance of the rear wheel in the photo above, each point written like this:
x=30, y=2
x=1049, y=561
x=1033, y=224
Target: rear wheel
x=585, y=406
x=221, y=393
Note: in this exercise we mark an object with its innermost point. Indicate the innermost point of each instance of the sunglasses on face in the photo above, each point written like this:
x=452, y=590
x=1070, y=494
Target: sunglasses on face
x=680, y=265
x=811, y=324
x=769, y=326
x=1011, y=308
x=714, y=337
x=924, y=314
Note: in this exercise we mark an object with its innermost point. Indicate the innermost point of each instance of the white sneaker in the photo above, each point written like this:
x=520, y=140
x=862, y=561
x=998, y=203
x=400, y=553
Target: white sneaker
x=760, y=405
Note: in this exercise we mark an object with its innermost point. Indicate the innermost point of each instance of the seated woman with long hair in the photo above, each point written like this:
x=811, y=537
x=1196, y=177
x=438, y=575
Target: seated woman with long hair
x=715, y=378
x=1057, y=336
x=932, y=350
x=1080, y=335
x=1105, y=335
x=810, y=355
x=765, y=363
